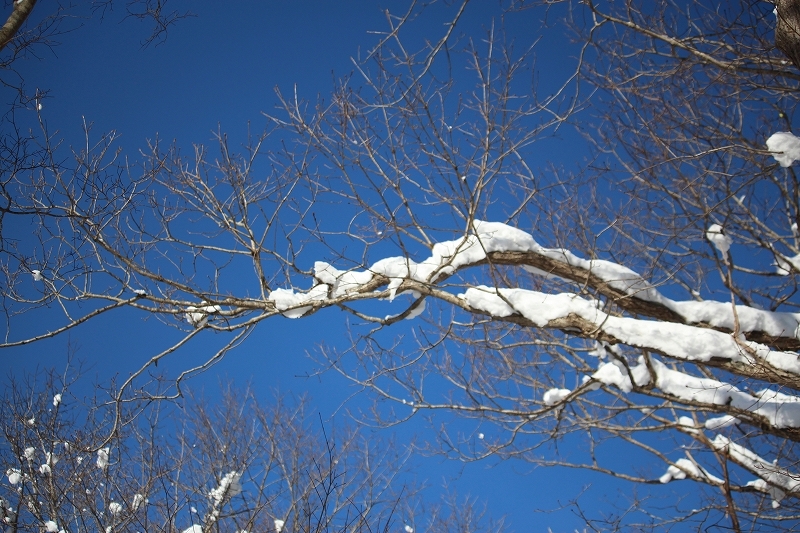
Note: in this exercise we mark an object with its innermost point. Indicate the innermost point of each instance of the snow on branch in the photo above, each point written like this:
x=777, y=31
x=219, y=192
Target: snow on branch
x=773, y=480
x=684, y=467
x=503, y=244
x=778, y=410
x=679, y=341
x=785, y=147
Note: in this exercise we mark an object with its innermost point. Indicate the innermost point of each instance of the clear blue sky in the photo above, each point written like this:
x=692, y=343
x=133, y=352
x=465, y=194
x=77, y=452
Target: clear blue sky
x=219, y=70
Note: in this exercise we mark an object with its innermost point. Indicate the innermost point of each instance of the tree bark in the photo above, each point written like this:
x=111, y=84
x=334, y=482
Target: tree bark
x=22, y=8
x=787, y=33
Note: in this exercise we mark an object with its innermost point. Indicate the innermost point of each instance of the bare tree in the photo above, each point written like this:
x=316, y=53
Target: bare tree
x=645, y=300
x=53, y=19
x=236, y=465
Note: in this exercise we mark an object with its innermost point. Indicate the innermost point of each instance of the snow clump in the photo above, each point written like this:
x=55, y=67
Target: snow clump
x=554, y=396
x=138, y=500
x=14, y=475
x=785, y=147
x=198, y=316
x=102, y=458
x=717, y=236
x=228, y=487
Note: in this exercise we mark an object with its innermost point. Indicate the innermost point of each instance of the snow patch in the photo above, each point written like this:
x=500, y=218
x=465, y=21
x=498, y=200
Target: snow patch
x=721, y=422
x=138, y=500
x=785, y=147
x=290, y=303
x=228, y=487
x=14, y=476
x=554, y=396
x=719, y=239
x=102, y=458
x=684, y=467
x=773, y=480
x=197, y=316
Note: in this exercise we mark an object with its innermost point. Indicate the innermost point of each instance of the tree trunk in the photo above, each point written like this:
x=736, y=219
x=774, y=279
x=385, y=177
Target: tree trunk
x=787, y=33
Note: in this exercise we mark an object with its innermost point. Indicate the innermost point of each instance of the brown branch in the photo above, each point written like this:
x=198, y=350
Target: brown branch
x=22, y=8
x=630, y=303
x=787, y=33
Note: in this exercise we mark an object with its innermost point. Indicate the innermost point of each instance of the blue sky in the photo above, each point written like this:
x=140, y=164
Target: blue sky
x=219, y=70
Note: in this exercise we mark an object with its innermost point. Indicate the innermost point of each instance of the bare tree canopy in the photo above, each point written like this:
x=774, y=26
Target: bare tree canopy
x=232, y=466
x=636, y=290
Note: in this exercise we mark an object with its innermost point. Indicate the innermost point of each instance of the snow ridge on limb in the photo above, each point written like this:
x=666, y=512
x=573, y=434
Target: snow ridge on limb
x=675, y=340
x=498, y=243
x=686, y=337
x=774, y=411
x=772, y=480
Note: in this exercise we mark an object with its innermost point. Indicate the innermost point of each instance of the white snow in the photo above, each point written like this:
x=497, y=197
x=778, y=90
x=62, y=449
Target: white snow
x=445, y=258
x=138, y=500
x=779, y=409
x=719, y=239
x=682, y=467
x=140, y=292
x=342, y=282
x=102, y=458
x=409, y=529
x=14, y=475
x=51, y=526
x=773, y=480
x=45, y=469
x=554, y=396
x=37, y=275
x=279, y=525
x=417, y=310
x=56, y=400
x=29, y=451
x=193, y=529
x=488, y=237
x=198, y=316
x=786, y=147
x=115, y=508
x=291, y=303
x=785, y=265
x=720, y=422
x=614, y=373
x=679, y=341
x=228, y=487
